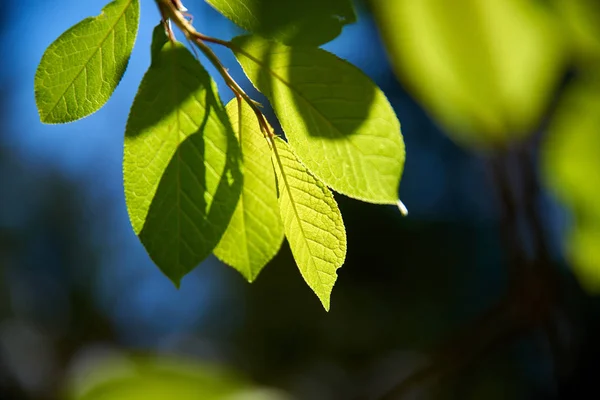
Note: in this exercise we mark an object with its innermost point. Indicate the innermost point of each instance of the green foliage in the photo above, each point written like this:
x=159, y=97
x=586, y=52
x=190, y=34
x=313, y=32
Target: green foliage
x=483, y=68
x=584, y=254
x=570, y=157
x=570, y=152
x=159, y=378
x=312, y=22
x=255, y=232
x=201, y=178
x=181, y=164
x=82, y=68
x=338, y=121
x=312, y=222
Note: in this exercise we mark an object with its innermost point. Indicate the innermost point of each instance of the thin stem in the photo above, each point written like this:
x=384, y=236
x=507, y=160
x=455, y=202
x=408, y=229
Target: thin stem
x=509, y=226
x=169, y=11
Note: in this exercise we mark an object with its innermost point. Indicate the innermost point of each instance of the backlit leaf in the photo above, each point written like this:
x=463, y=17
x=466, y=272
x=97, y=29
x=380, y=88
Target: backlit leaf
x=312, y=222
x=181, y=162
x=255, y=232
x=81, y=69
x=336, y=119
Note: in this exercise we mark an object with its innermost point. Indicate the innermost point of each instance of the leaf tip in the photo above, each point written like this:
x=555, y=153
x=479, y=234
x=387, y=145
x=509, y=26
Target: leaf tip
x=44, y=119
x=176, y=282
x=49, y=119
x=402, y=208
x=325, y=301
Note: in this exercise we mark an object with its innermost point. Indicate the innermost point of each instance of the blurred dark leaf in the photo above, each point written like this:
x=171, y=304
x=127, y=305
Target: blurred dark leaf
x=311, y=22
x=582, y=22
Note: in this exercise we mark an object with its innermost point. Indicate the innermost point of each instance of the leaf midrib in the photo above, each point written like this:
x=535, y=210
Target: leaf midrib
x=241, y=204
x=98, y=48
x=308, y=102
x=245, y=236
x=293, y=89
x=287, y=186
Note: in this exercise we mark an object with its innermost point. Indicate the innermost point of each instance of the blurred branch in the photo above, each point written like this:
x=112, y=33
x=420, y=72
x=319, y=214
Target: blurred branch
x=509, y=217
x=532, y=296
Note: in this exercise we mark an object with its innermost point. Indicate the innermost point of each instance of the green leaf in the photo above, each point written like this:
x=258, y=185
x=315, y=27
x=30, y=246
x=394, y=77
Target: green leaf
x=570, y=164
x=336, y=119
x=122, y=377
x=583, y=254
x=255, y=232
x=570, y=151
x=82, y=68
x=181, y=163
x=311, y=22
x=312, y=222
x=485, y=69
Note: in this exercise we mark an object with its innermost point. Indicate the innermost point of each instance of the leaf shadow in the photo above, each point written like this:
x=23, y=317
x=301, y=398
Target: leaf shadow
x=179, y=236
x=320, y=95
x=166, y=68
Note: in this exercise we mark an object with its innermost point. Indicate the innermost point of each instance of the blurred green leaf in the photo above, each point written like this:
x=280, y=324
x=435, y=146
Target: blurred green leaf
x=162, y=378
x=312, y=222
x=311, y=22
x=255, y=232
x=484, y=68
x=82, y=68
x=181, y=162
x=570, y=152
x=584, y=253
x=339, y=123
x=571, y=167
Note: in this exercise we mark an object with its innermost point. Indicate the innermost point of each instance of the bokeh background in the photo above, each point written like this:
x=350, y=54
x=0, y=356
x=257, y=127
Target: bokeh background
x=485, y=291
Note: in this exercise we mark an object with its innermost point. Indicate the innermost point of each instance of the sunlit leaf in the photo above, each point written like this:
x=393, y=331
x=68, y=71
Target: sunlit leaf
x=255, y=232
x=484, y=68
x=336, y=119
x=82, y=68
x=312, y=222
x=311, y=22
x=181, y=162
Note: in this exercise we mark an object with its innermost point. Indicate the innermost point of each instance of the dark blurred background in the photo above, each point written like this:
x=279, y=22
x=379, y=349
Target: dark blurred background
x=485, y=291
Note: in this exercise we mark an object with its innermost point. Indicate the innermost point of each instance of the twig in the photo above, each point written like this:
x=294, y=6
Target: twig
x=170, y=11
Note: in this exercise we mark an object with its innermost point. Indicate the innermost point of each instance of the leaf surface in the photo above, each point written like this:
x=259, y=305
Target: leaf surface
x=338, y=122
x=311, y=22
x=80, y=71
x=181, y=162
x=255, y=232
x=312, y=222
